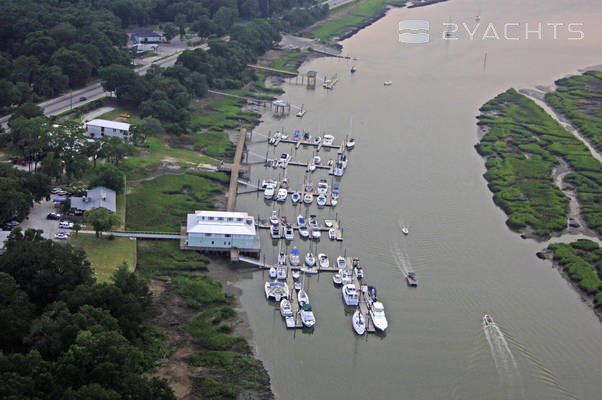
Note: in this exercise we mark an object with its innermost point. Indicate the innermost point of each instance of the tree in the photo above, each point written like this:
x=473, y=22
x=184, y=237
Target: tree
x=149, y=126
x=170, y=30
x=101, y=219
x=115, y=76
x=18, y=191
x=74, y=65
x=16, y=313
x=76, y=228
x=108, y=176
x=114, y=149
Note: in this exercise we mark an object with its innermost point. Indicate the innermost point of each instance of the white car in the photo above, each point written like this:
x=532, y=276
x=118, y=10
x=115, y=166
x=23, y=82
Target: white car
x=66, y=225
x=61, y=236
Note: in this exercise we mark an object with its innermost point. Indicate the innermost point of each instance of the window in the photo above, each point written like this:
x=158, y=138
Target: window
x=212, y=242
x=207, y=234
x=210, y=218
x=228, y=235
x=238, y=219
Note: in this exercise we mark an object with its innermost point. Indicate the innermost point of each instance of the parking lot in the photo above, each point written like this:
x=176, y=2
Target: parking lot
x=37, y=219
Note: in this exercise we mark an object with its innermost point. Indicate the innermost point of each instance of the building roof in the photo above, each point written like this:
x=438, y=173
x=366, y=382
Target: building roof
x=98, y=197
x=3, y=237
x=143, y=32
x=109, y=124
x=200, y=222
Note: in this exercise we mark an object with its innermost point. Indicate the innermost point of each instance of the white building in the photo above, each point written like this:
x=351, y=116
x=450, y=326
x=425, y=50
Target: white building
x=98, y=128
x=221, y=230
x=145, y=35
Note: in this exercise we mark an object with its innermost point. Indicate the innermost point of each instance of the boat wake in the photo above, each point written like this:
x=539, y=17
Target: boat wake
x=401, y=259
x=500, y=351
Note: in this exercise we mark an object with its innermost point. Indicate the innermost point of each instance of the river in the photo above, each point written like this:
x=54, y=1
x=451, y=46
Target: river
x=414, y=164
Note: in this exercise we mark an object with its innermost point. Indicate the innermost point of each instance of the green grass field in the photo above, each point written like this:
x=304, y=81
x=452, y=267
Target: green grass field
x=289, y=62
x=106, y=255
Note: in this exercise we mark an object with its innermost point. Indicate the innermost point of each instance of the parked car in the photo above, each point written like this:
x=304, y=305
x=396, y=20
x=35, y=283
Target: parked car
x=9, y=226
x=83, y=98
x=66, y=225
x=61, y=236
x=56, y=190
x=54, y=216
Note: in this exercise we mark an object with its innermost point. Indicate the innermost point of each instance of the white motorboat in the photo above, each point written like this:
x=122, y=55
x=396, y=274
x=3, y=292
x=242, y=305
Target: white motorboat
x=343, y=159
x=388, y=83
x=346, y=277
x=358, y=321
x=276, y=290
x=285, y=157
x=282, y=258
x=405, y=230
x=294, y=257
x=311, y=167
x=321, y=201
x=336, y=279
x=290, y=322
x=334, y=201
x=487, y=320
x=350, y=295
x=310, y=260
x=298, y=285
x=332, y=234
x=316, y=160
x=359, y=272
x=308, y=198
x=268, y=193
x=303, y=232
x=339, y=170
x=281, y=273
x=307, y=316
x=313, y=221
x=323, y=259
x=272, y=272
x=274, y=139
x=477, y=18
x=274, y=220
x=289, y=233
x=317, y=140
x=301, y=220
x=341, y=263
x=328, y=140
x=269, y=182
x=296, y=275
x=329, y=223
x=322, y=186
x=286, y=309
x=282, y=194
x=377, y=313
x=315, y=233
x=295, y=197
x=301, y=113
x=350, y=144
x=275, y=232
x=302, y=297
x=284, y=184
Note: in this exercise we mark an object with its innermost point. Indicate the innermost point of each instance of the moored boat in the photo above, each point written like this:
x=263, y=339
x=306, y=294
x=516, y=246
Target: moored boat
x=289, y=233
x=358, y=321
x=321, y=201
x=315, y=233
x=282, y=258
x=307, y=316
x=275, y=231
x=301, y=220
x=341, y=263
x=328, y=140
x=294, y=257
x=282, y=194
x=276, y=290
x=336, y=279
x=281, y=273
x=274, y=220
x=310, y=260
x=295, y=197
x=303, y=232
x=350, y=144
x=350, y=295
x=272, y=272
x=377, y=313
x=286, y=309
x=296, y=275
x=308, y=198
x=302, y=297
x=332, y=234
x=323, y=259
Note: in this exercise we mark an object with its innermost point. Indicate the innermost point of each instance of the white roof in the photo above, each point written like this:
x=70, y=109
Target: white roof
x=199, y=223
x=109, y=124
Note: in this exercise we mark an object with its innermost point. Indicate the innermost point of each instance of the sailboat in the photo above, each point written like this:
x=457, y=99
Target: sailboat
x=359, y=322
x=448, y=32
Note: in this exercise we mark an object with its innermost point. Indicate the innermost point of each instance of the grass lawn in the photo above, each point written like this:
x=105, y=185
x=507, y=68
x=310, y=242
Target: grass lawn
x=162, y=203
x=223, y=113
x=106, y=255
x=289, y=62
x=114, y=116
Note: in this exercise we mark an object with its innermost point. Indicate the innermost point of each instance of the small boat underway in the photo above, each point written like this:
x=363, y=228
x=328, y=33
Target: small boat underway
x=377, y=313
x=350, y=295
x=388, y=83
x=307, y=316
x=404, y=230
x=487, y=320
x=411, y=279
x=358, y=322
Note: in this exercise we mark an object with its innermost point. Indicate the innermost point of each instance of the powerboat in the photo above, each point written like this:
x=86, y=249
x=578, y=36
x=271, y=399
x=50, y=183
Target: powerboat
x=272, y=273
x=289, y=233
x=307, y=316
x=300, y=220
x=303, y=232
x=377, y=313
x=295, y=197
x=311, y=167
x=487, y=320
x=341, y=263
x=350, y=144
x=315, y=233
x=281, y=273
x=306, y=135
x=328, y=223
x=388, y=83
x=302, y=297
x=268, y=193
x=316, y=160
x=284, y=183
x=301, y=113
x=321, y=201
x=274, y=139
x=284, y=135
x=290, y=322
x=286, y=309
x=351, y=295
x=336, y=279
x=285, y=157
x=339, y=170
x=323, y=186
x=298, y=285
x=477, y=18
x=346, y=277
x=296, y=275
x=276, y=291
x=282, y=258
x=297, y=135
x=281, y=196
x=369, y=294
x=313, y=222
x=343, y=159
x=332, y=234
x=308, y=198
x=310, y=260
x=334, y=199
x=274, y=220
x=294, y=257
x=411, y=279
x=353, y=69
x=317, y=140
x=404, y=230
x=328, y=140
x=358, y=321
x=268, y=182
x=323, y=259
x=359, y=271
x=275, y=232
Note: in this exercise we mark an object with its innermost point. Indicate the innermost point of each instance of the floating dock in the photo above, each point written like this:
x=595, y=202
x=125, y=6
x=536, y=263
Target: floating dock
x=298, y=143
x=265, y=224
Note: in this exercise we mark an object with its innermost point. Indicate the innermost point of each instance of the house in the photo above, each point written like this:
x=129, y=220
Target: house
x=144, y=47
x=98, y=128
x=145, y=35
x=97, y=197
x=222, y=230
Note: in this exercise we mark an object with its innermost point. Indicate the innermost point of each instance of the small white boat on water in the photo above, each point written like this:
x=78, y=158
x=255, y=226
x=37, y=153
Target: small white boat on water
x=358, y=321
x=350, y=295
x=276, y=291
x=477, y=18
x=317, y=140
x=308, y=198
x=302, y=297
x=350, y=143
x=274, y=220
x=332, y=234
x=310, y=260
x=281, y=273
x=294, y=257
x=289, y=233
x=303, y=232
x=323, y=260
x=323, y=186
x=282, y=258
x=268, y=192
x=311, y=167
x=272, y=272
x=286, y=309
x=388, y=83
x=377, y=313
x=328, y=140
x=339, y=170
x=334, y=200
x=301, y=220
x=341, y=263
x=307, y=316
x=275, y=232
x=282, y=194
x=295, y=197
x=321, y=201
x=316, y=160
x=296, y=275
x=273, y=139
x=269, y=182
x=487, y=320
x=298, y=285
x=329, y=223
x=336, y=279
x=346, y=277
x=301, y=113
x=315, y=233
x=404, y=230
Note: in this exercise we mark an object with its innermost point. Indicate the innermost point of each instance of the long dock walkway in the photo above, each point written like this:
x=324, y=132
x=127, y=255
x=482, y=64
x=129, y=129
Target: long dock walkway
x=270, y=69
x=235, y=168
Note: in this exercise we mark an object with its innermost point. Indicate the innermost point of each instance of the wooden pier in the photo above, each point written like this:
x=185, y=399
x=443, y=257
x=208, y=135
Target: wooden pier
x=339, y=147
